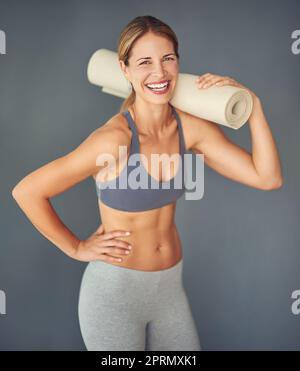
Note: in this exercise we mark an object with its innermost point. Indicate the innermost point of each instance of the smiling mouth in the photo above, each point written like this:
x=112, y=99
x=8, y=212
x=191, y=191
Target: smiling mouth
x=162, y=89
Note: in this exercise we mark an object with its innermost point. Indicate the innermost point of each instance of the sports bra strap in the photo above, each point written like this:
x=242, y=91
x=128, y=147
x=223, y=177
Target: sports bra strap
x=134, y=148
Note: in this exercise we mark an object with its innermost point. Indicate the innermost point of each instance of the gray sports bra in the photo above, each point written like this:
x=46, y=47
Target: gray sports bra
x=154, y=195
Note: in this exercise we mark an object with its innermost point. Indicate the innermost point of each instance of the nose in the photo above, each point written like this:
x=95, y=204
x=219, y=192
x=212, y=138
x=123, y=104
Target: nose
x=158, y=70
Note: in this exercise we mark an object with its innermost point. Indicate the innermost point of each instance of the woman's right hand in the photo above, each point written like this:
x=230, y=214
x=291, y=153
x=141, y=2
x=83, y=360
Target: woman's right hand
x=102, y=246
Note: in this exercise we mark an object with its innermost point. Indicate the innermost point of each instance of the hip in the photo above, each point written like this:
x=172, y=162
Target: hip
x=112, y=283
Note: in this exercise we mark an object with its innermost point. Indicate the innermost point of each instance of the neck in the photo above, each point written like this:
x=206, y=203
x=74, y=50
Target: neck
x=151, y=118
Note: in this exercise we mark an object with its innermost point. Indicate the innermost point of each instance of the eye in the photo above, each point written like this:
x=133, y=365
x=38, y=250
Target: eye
x=170, y=58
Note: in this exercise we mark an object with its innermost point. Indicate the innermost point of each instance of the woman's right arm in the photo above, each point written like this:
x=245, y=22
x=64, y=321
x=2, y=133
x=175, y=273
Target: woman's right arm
x=34, y=191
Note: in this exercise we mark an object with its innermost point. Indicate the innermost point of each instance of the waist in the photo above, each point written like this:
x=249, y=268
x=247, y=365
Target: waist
x=101, y=267
x=146, y=236
x=112, y=282
x=152, y=249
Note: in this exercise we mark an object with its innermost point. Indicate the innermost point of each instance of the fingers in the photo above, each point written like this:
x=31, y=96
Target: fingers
x=208, y=79
x=111, y=254
x=203, y=77
x=107, y=245
x=110, y=259
x=114, y=234
x=107, y=253
x=114, y=250
x=116, y=242
x=113, y=242
x=224, y=82
x=113, y=246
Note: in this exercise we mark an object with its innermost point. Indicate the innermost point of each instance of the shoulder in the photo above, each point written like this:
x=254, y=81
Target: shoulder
x=195, y=128
x=107, y=139
x=112, y=133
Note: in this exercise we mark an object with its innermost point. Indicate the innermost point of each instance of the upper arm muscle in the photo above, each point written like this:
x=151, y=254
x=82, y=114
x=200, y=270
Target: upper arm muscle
x=223, y=156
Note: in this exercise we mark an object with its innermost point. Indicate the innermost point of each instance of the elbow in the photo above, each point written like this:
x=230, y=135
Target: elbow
x=21, y=196
x=22, y=188
x=24, y=192
x=275, y=184
x=16, y=192
x=19, y=191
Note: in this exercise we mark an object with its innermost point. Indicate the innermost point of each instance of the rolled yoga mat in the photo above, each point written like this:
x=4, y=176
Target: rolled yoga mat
x=225, y=105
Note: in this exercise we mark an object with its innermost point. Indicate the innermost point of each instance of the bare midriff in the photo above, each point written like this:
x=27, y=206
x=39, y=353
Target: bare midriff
x=155, y=241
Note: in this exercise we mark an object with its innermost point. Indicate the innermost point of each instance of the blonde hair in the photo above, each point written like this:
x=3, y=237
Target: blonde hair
x=135, y=29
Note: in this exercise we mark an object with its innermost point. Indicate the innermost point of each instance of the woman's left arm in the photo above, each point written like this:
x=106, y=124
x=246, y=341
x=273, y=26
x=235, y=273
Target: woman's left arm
x=264, y=158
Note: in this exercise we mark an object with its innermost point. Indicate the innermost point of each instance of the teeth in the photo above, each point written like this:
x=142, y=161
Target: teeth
x=157, y=85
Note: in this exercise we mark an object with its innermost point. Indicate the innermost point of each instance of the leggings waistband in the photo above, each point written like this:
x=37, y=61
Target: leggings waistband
x=107, y=272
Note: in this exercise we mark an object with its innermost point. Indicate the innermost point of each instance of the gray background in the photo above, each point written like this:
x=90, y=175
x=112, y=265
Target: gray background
x=241, y=245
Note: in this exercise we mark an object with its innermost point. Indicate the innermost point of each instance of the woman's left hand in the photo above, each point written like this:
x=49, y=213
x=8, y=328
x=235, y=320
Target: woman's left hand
x=208, y=79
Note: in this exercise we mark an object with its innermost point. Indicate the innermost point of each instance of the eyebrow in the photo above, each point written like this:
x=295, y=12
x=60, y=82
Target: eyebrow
x=150, y=57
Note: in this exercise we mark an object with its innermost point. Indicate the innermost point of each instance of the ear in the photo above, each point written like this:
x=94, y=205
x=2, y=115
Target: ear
x=124, y=69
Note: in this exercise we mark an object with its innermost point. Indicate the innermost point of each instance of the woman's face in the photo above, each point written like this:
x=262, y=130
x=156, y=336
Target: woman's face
x=152, y=60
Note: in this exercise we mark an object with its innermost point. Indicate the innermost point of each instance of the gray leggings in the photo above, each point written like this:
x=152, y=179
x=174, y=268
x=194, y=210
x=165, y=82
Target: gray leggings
x=127, y=309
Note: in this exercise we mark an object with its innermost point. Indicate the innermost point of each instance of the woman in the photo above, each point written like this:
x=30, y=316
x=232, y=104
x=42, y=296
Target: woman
x=132, y=296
